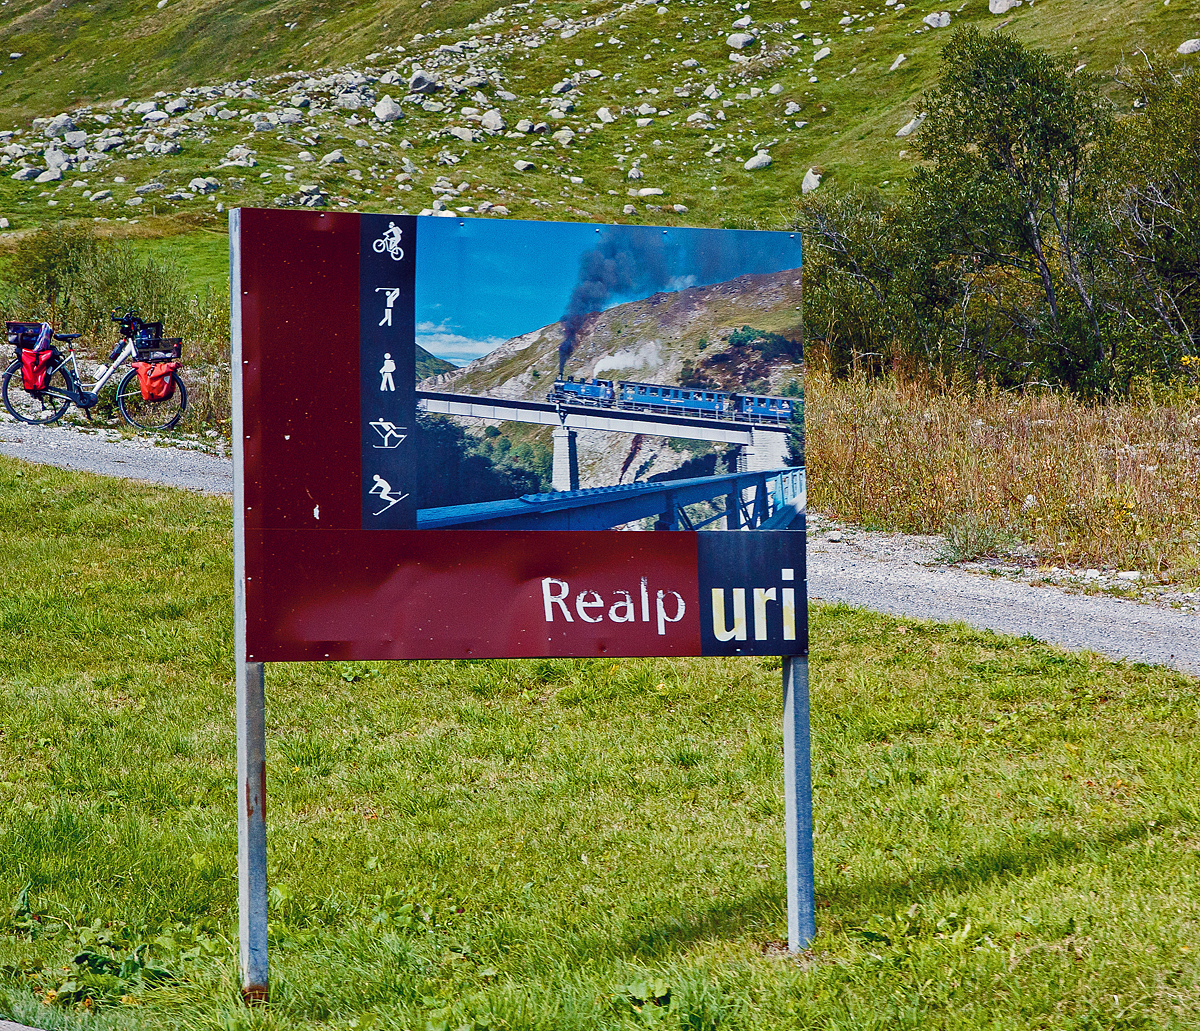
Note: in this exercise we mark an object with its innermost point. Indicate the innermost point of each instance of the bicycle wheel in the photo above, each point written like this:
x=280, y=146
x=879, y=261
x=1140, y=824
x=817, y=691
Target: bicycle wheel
x=35, y=406
x=150, y=415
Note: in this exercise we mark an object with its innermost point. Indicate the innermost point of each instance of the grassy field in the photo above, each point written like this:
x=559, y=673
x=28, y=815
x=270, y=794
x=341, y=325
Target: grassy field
x=1007, y=836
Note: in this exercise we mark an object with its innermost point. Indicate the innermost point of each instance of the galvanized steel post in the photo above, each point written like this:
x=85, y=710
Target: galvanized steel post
x=252, y=831
x=251, y=705
x=798, y=812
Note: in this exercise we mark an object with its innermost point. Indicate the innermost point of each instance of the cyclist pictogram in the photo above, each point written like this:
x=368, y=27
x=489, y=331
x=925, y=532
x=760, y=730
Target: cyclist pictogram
x=390, y=242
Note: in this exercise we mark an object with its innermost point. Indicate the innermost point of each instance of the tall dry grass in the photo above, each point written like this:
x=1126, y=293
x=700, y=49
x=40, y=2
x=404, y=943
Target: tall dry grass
x=1105, y=485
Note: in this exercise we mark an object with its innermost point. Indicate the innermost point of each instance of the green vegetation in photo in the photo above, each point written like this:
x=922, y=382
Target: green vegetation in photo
x=1005, y=834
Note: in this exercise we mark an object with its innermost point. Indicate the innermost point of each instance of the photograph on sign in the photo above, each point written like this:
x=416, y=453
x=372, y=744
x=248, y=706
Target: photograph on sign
x=487, y=407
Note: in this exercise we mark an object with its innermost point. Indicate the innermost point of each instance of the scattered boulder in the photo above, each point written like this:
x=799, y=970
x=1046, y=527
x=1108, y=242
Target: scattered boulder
x=937, y=20
x=176, y=106
x=148, y=188
x=198, y=185
x=49, y=176
x=75, y=138
x=349, y=101
x=821, y=54
x=908, y=128
x=898, y=62
x=422, y=82
x=463, y=133
x=563, y=136
x=743, y=22
x=334, y=157
x=154, y=117
x=760, y=160
x=493, y=121
x=145, y=108
x=1190, y=46
x=101, y=195
x=740, y=40
x=1002, y=6
x=524, y=166
x=305, y=155
x=59, y=125
x=387, y=110
x=524, y=125
x=812, y=179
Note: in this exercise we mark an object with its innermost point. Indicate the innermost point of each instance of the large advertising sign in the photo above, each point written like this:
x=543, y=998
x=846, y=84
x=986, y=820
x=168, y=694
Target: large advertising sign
x=446, y=428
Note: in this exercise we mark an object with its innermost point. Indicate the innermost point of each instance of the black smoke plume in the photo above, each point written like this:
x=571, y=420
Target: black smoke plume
x=623, y=264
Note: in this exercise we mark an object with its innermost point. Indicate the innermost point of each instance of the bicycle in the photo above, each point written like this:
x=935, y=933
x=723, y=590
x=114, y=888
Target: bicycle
x=390, y=242
x=62, y=386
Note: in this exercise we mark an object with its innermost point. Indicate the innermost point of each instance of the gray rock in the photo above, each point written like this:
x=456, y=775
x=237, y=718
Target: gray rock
x=145, y=108
x=133, y=202
x=423, y=82
x=23, y=175
x=821, y=54
x=898, y=62
x=1002, y=6
x=507, y=97
x=937, y=20
x=629, y=209
x=154, y=117
x=760, y=160
x=387, y=110
x=176, y=106
x=100, y=195
x=4, y=223
x=524, y=125
x=51, y=175
x=198, y=185
x=59, y=125
x=349, y=101
x=462, y=133
x=240, y=155
x=812, y=179
x=908, y=128
x=646, y=109
x=634, y=173
x=334, y=157
x=225, y=114
x=563, y=136
x=75, y=138
x=562, y=87
x=775, y=90
x=606, y=116
x=169, y=147
x=55, y=158
x=740, y=40
x=305, y=155
x=524, y=166
x=433, y=105
x=148, y=188
x=493, y=121
x=291, y=116
x=1190, y=46
x=792, y=108
x=108, y=143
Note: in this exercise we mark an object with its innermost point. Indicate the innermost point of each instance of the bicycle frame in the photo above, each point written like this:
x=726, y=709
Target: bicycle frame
x=87, y=397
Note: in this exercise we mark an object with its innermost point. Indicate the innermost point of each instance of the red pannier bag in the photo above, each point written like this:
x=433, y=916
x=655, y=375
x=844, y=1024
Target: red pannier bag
x=156, y=379
x=35, y=368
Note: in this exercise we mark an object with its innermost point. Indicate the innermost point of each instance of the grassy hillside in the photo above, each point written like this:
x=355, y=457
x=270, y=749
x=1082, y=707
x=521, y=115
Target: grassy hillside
x=1006, y=835
x=838, y=115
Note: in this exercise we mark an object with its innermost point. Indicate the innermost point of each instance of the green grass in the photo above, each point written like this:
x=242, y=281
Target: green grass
x=1007, y=836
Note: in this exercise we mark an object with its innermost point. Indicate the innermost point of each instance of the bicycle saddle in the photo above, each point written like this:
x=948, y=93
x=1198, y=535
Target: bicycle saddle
x=67, y=336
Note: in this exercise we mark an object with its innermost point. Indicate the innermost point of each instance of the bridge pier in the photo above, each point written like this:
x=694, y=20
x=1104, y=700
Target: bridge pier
x=768, y=450
x=565, y=475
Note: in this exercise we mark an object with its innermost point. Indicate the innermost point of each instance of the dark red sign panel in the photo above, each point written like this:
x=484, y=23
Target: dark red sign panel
x=323, y=361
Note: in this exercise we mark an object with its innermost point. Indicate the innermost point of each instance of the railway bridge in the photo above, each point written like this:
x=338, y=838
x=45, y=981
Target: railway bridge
x=764, y=444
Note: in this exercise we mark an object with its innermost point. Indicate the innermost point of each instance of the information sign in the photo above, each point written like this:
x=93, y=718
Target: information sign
x=395, y=380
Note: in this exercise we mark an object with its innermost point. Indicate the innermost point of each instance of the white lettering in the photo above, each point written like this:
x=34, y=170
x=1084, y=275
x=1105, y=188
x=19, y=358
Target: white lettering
x=738, y=631
x=663, y=618
x=762, y=595
x=645, y=602
x=550, y=600
x=625, y=602
x=789, y=612
x=581, y=606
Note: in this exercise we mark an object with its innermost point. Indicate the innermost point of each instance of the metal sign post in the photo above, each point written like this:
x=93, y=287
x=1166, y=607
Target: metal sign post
x=798, y=814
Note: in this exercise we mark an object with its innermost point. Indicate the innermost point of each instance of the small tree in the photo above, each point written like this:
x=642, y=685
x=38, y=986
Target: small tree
x=1015, y=183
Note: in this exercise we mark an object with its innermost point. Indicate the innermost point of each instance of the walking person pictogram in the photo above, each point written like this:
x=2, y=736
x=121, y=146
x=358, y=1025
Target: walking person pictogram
x=385, y=371
x=384, y=490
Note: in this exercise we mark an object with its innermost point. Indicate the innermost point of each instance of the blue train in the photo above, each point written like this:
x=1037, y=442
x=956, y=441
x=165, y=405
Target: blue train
x=654, y=397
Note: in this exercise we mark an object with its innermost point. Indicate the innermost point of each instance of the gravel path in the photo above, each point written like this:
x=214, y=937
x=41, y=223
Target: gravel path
x=112, y=453
x=895, y=573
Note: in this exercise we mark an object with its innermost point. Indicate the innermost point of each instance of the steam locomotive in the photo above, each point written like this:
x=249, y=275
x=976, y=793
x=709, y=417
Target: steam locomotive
x=654, y=397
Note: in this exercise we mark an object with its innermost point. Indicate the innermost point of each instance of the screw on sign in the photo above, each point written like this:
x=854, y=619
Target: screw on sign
x=354, y=538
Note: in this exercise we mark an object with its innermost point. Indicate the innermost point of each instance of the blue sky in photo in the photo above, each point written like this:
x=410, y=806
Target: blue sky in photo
x=480, y=282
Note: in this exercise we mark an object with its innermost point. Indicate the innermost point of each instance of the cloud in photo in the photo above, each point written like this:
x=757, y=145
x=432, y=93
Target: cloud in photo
x=439, y=339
